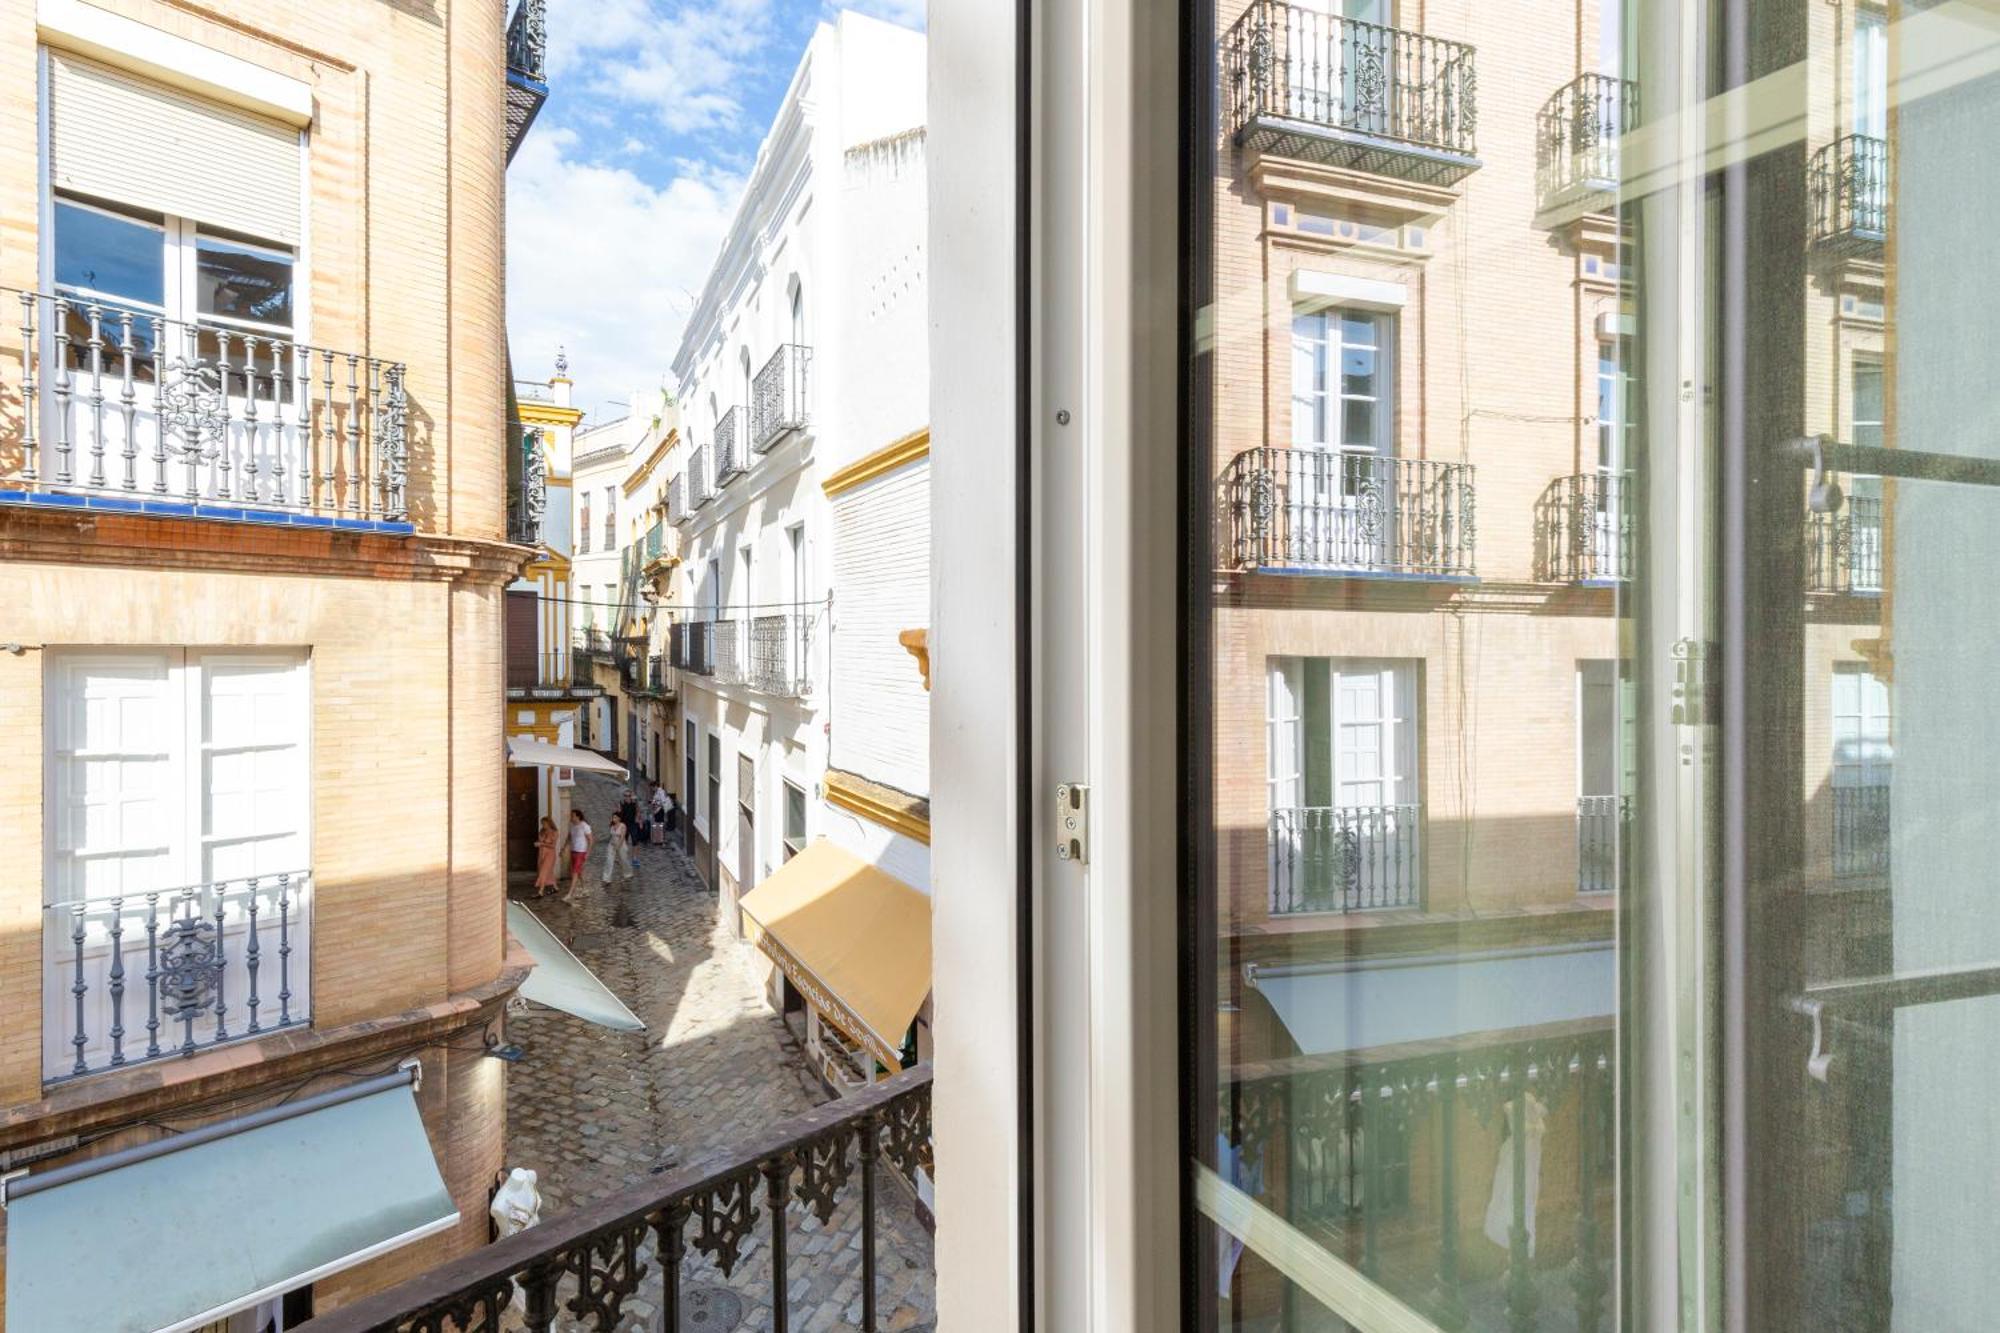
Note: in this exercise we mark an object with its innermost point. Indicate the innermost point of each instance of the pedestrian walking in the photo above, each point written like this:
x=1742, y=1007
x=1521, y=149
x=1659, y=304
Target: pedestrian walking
x=547, y=843
x=642, y=828
x=662, y=815
x=581, y=839
x=628, y=810
x=618, y=852
x=673, y=813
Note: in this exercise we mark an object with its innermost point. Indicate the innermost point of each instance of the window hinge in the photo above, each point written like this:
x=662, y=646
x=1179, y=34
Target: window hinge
x=1073, y=822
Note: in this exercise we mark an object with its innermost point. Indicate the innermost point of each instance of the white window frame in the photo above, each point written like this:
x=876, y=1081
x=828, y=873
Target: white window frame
x=1319, y=405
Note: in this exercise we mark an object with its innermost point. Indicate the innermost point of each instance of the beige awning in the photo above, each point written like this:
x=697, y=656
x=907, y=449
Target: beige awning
x=855, y=940
x=527, y=752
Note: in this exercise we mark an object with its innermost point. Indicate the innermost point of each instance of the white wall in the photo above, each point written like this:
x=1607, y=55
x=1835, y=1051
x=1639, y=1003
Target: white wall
x=881, y=578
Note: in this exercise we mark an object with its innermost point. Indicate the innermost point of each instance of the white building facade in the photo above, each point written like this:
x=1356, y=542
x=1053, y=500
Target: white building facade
x=602, y=527
x=800, y=497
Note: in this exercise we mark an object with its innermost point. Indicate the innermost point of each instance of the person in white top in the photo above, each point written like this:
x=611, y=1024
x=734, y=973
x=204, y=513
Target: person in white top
x=581, y=839
x=659, y=814
x=618, y=852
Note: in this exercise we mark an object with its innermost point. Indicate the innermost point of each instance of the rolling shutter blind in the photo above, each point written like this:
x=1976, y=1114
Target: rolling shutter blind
x=128, y=140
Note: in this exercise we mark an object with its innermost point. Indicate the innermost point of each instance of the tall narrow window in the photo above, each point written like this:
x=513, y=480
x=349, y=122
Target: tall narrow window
x=1871, y=72
x=1341, y=390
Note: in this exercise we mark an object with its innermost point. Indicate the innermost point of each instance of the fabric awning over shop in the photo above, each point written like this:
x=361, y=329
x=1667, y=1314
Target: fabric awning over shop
x=527, y=752
x=561, y=982
x=176, y=1234
x=1384, y=1002
x=855, y=940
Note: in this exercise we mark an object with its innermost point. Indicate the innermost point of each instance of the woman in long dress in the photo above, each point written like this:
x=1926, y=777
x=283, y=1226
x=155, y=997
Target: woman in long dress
x=545, y=857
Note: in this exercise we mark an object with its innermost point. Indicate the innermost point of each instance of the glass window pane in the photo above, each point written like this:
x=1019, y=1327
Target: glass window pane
x=109, y=254
x=243, y=282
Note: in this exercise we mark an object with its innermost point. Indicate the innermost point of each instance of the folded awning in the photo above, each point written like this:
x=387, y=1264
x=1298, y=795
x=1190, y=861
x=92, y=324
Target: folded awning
x=180, y=1232
x=1329, y=1007
x=855, y=940
x=560, y=981
x=527, y=752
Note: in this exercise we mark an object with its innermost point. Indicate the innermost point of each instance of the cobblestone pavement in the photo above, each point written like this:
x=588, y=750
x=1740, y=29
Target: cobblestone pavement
x=591, y=1110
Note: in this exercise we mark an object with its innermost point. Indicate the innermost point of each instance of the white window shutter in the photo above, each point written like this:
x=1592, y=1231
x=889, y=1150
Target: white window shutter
x=128, y=140
x=253, y=723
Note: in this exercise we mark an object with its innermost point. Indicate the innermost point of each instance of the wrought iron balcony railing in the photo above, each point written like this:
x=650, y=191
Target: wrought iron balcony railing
x=1577, y=133
x=780, y=654
x=598, y=641
x=1375, y=1157
x=815, y=1174
x=656, y=541
x=1317, y=510
x=677, y=505
x=778, y=397
x=146, y=975
x=130, y=411
x=531, y=501
x=727, y=637
x=689, y=645
x=527, y=69
x=1848, y=185
x=732, y=442
x=1844, y=550
x=1861, y=829
x=1308, y=84
x=1583, y=530
x=1345, y=858
x=700, y=488
x=1600, y=831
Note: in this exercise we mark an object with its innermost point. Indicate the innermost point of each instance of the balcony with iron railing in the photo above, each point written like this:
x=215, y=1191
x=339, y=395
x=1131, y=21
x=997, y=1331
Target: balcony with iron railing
x=677, y=505
x=732, y=442
x=1306, y=84
x=1577, y=133
x=1861, y=829
x=1345, y=858
x=700, y=491
x=130, y=412
x=527, y=69
x=689, y=647
x=155, y=974
x=1844, y=549
x=1583, y=530
x=780, y=651
x=816, y=1182
x=778, y=397
x=726, y=639
x=1601, y=823
x=1322, y=511
x=1375, y=1154
x=1847, y=184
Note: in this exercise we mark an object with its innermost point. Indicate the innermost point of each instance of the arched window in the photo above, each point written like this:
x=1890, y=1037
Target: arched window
x=798, y=313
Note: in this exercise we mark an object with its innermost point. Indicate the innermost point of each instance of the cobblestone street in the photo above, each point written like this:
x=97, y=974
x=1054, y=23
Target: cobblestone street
x=593, y=1110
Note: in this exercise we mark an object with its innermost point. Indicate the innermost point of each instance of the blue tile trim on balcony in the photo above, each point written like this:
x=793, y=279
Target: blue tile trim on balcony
x=213, y=513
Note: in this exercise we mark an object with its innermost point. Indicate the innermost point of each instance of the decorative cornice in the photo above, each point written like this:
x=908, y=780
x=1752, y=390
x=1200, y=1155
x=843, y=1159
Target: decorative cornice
x=915, y=445
x=645, y=469
x=531, y=413
x=897, y=811
x=137, y=541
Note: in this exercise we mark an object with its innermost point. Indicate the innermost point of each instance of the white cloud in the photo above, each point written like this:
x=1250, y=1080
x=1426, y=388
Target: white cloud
x=686, y=61
x=605, y=264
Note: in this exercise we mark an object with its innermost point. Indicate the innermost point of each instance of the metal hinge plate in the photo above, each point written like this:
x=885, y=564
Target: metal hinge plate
x=1073, y=822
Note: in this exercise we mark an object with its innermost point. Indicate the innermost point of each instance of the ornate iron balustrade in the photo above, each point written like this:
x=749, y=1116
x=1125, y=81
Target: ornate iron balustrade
x=1583, y=530
x=1576, y=137
x=1317, y=510
x=1861, y=829
x=1848, y=183
x=598, y=641
x=582, y=1266
x=780, y=654
x=1374, y=1153
x=727, y=637
x=778, y=397
x=1844, y=550
x=656, y=541
x=528, y=40
x=141, y=976
x=732, y=430
x=690, y=645
x=1601, y=823
x=1330, y=89
x=677, y=505
x=524, y=527
x=699, y=492
x=1345, y=858
x=135, y=412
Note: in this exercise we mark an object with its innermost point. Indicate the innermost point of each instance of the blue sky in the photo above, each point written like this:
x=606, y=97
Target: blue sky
x=618, y=200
